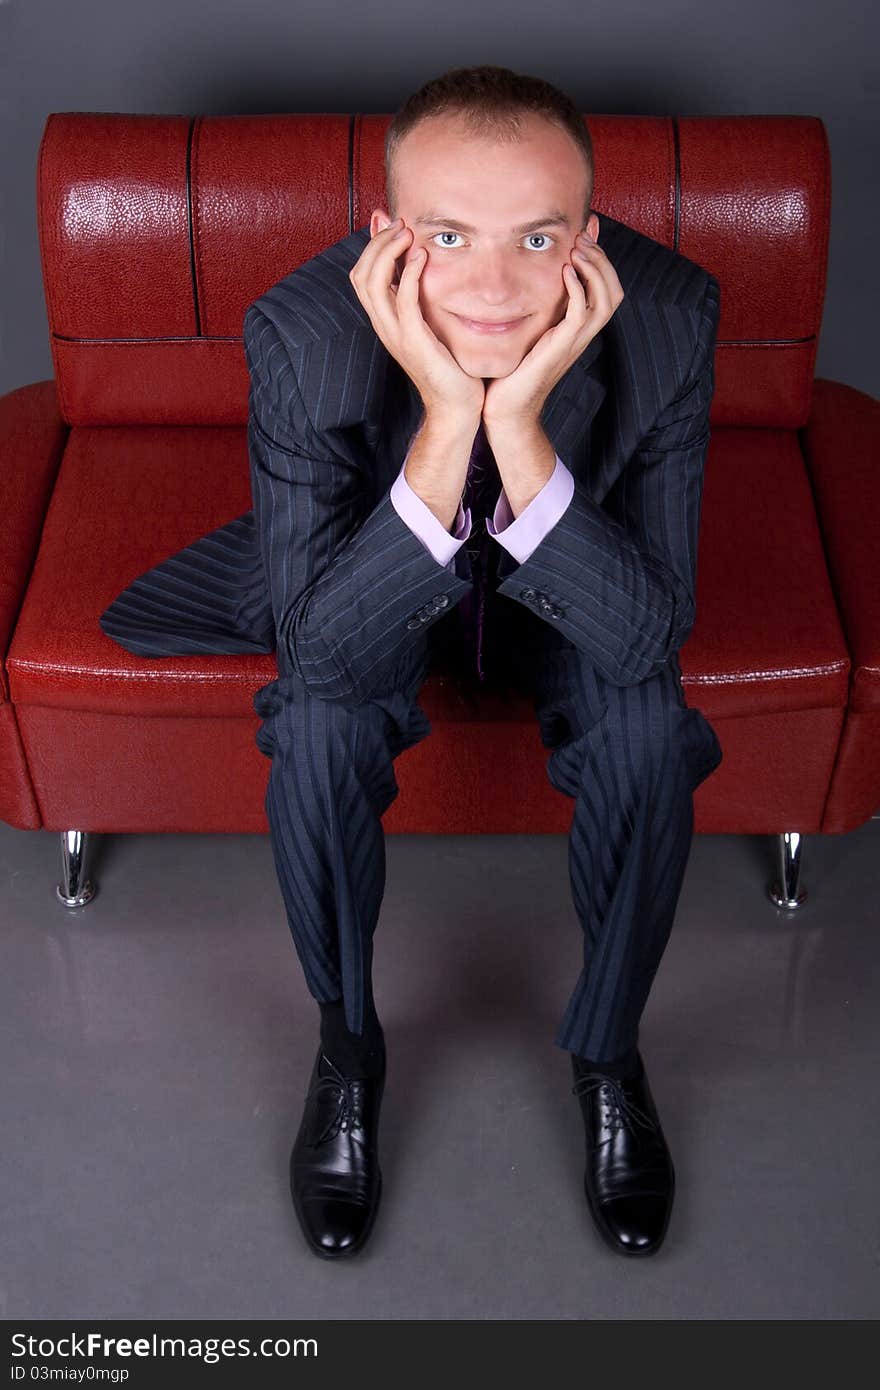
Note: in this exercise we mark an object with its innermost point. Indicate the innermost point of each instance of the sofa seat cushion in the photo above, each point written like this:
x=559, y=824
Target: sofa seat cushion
x=125, y=499
x=767, y=637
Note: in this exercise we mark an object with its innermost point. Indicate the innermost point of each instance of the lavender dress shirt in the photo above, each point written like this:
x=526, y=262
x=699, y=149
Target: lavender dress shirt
x=519, y=536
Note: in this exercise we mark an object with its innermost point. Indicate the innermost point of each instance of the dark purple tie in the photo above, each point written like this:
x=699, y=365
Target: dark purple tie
x=481, y=492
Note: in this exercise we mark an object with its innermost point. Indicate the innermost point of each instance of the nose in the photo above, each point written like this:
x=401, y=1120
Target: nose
x=494, y=282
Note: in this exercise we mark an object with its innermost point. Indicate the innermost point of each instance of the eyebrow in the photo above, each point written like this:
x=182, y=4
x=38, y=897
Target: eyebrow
x=433, y=219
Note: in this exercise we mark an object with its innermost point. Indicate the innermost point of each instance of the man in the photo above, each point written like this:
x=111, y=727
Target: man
x=491, y=329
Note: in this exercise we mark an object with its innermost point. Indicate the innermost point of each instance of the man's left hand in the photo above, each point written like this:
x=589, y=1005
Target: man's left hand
x=519, y=398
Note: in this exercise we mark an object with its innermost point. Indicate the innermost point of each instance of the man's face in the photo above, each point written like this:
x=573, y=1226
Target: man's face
x=494, y=271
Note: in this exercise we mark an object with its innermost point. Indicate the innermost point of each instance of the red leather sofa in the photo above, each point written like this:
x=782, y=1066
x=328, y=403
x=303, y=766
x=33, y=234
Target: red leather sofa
x=157, y=231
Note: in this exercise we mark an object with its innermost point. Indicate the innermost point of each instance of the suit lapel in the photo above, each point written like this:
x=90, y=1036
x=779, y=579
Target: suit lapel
x=570, y=407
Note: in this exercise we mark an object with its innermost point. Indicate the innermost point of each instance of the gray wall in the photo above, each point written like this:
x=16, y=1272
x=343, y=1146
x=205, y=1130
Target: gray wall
x=229, y=56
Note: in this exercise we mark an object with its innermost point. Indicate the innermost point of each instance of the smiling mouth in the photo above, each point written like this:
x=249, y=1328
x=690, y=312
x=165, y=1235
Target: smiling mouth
x=476, y=326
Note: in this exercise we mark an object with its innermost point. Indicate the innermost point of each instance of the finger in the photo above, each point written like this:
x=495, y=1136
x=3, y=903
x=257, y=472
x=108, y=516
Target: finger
x=377, y=283
x=383, y=243
x=385, y=276
x=408, y=289
x=597, y=294
x=589, y=255
x=380, y=268
x=374, y=248
x=581, y=297
x=411, y=317
x=588, y=244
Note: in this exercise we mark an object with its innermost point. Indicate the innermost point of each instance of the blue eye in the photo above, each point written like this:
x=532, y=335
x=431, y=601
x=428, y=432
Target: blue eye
x=540, y=235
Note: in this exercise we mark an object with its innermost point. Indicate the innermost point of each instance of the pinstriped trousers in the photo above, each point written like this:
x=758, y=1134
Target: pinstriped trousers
x=630, y=757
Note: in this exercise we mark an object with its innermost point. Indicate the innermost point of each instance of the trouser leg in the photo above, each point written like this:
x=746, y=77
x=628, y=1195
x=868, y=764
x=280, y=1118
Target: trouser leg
x=631, y=758
x=332, y=778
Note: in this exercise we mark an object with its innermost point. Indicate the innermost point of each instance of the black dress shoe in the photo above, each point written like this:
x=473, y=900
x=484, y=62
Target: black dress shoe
x=335, y=1178
x=629, y=1178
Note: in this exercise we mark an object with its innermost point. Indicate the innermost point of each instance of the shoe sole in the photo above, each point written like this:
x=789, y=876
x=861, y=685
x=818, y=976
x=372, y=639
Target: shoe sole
x=348, y=1250
x=616, y=1245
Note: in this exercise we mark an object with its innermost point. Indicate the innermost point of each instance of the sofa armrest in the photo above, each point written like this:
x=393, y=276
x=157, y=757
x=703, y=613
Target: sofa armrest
x=32, y=439
x=841, y=448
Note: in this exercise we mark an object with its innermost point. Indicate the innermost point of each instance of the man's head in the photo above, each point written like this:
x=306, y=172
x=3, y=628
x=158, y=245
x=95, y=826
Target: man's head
x=493, y=173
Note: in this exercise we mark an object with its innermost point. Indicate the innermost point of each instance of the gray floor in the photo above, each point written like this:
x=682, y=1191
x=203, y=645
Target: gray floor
x=157, y=1045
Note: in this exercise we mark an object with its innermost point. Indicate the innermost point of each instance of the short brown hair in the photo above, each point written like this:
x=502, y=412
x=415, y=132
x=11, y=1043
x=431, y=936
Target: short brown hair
x=492, y=101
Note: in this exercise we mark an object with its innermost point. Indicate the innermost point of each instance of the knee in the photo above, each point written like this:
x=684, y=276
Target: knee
x=654, y=726
x=670, y=744
x=298, y=725
x=643, y=730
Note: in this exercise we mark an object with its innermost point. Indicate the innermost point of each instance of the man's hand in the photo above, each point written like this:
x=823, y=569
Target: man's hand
x=395, y=313
x=518, y=399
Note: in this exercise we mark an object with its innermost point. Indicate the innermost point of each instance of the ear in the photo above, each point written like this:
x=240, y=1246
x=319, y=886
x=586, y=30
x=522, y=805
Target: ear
x=380, y=218
x=592, y=226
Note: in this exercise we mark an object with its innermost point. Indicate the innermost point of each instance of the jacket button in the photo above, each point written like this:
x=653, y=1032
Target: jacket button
x=528, y=594
x=414, y=622
x=441, y=600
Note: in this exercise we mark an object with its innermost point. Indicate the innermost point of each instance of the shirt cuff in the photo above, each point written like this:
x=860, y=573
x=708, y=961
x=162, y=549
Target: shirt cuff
x=520, y=536
x=418, y=516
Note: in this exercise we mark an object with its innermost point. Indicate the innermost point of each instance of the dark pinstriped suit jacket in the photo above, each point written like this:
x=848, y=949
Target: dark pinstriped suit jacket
x=324, y=570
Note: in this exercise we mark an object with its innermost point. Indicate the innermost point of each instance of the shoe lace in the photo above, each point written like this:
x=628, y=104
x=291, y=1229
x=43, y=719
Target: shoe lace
x=621, y=1110
x=349, y=1102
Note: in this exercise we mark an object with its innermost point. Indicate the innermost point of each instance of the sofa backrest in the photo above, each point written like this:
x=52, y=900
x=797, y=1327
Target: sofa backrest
x=156, y=232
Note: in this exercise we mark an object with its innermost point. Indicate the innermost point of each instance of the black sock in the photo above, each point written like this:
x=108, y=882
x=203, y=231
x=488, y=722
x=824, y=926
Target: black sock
x=626, y=1066
x=355, y=1055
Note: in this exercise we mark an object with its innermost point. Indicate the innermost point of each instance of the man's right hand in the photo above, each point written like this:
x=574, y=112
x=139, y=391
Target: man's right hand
x=447, y=392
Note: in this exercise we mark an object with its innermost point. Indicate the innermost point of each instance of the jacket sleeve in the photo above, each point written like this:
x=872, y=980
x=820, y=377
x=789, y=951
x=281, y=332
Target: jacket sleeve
x=619, y=580
x=350, y=590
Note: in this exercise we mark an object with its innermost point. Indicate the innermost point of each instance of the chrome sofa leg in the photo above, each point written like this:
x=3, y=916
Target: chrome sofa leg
x=74, y=890
x=786, y=891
